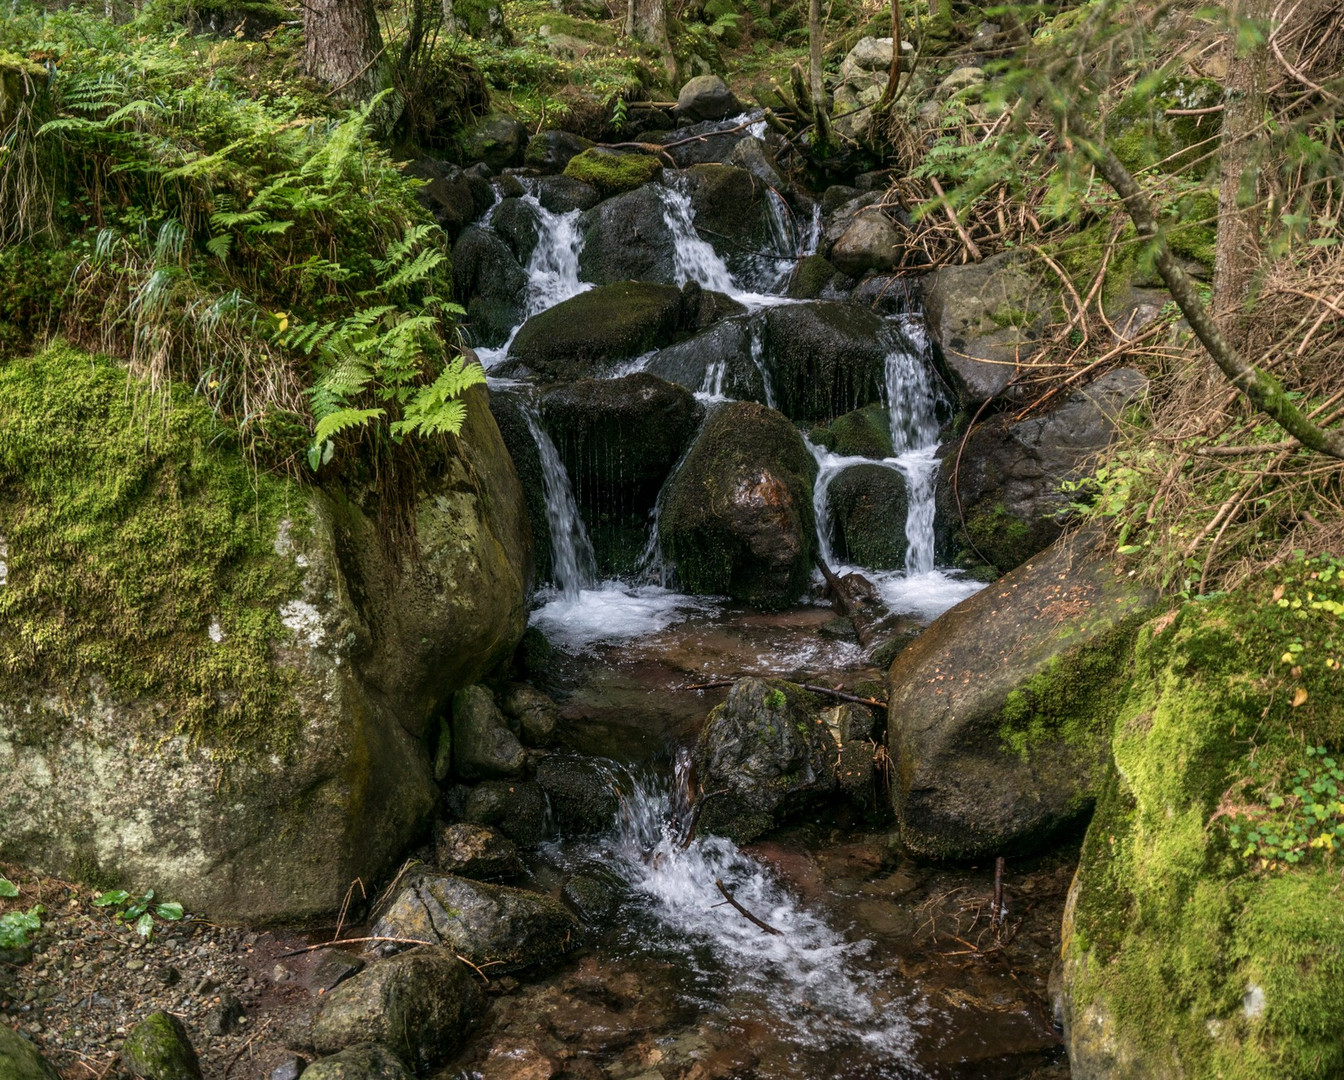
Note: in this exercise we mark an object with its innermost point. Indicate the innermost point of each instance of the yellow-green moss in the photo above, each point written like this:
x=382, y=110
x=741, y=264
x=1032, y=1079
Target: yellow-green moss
x=132, y=526
x=1173, y=928
x=611, y=172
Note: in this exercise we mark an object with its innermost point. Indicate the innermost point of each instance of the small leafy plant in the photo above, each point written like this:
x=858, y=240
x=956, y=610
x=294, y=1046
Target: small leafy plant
x=138, y=910
x=17, y=927
x=1290, y=826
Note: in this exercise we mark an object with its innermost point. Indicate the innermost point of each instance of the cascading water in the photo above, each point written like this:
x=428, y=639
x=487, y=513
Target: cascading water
x=573, y=563
x=693, y=258
x=912, y=408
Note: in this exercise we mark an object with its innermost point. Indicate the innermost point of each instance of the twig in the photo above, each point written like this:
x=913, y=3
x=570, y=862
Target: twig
x=719, y=684
x=744, y=912
x=695, y=815
x=355, y=941
x=251, y=1039
x=956, y=222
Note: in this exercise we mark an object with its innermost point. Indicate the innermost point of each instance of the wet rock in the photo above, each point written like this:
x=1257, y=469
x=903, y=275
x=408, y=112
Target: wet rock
x=614, y=172
x=158, y=1049
x=864, y=432
x=705, y=143
x=21, y=1060
x=489, y=282
x=1000, y=710
x=825, y=358
x=551, y=151
x=289, y=1069
x=696, y=362
x=627, y=239
x=483, y=746
x=365, y=1062
x=496, y=140
x=510, y=408
x=1010, y=472
x=732, y=213
x=812, y=277
x=417, y=1005
x=475, y=851
x=588, y=333
x=871, y=241
x=512, y=1059
x=331, y=968
x=594, y=894
x=619, y=439
x=885, y=294
x=707, y=97
x=454, y=196
x=868, y=506
x=737, y=519
x=482, y=922
x=769, y=753
x=583, y=792
x=985, y=319
x=536, y=714
x=516, y=809
x=752, y=155
x=561, y=194
x=515, y=221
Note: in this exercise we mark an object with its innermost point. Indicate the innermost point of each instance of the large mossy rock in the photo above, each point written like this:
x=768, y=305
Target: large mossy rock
x=586, y=334
x=488, y=924
x=737, y=519
x=985, y=319
x=1007, y=486
x=1182, y=957
x=612, y=172
x=1001, y=710
x=21, y=1060
x=181, y=633
x=619, y=439
x=825, y=358
x=419, y=1005
x=158, y=1048
x=765, y=753
x=367, y=1061
x=868, y=505
x=626, y=238
x=489, y=282
x=864, y=432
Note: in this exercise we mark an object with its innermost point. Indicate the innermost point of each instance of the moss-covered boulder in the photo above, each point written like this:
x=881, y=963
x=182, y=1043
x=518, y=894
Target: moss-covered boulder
x=732, y=213
x=1000, y=711
x=613, y=172
x=497, y=139
x=868, y=505
x=737, y=519
x=825, y=358
x=1005, y=479
x=158, y=1049
x=419, y=1005
x=551, y=151
x=366, y=1061
x=619, y=439
x=985, y=319
x=21, y=1060
x=766, y=753
x=864, y=432
x=488, y=924
x=724, y=360
x=174, y=625
x=586, y=334
x=1205, y=931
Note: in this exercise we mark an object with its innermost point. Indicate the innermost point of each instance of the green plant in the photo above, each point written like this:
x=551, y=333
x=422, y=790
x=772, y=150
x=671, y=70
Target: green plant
x=16, y=927
x=1289, y=826
x=138, y=910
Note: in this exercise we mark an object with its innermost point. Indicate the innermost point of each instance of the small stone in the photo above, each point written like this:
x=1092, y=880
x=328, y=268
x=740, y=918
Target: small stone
x=207, y=985
x=158, y=1049
x=289, y=1069
x=224, y=1016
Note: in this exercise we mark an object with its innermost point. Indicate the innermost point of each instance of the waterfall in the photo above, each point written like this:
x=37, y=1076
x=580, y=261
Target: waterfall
x=758, y=358
x=912, y=404
x=693, y=259
x=553, y=267
x=572, y=559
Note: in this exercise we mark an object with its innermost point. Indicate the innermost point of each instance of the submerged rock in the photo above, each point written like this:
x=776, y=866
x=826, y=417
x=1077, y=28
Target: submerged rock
x=825, y=358
x=737, y=519
x=367, y=1061
x=484, y=923
x=158, y=1049
x=419, y=1005
x=1000, y=710
x=764, y=754
x=1008, y=484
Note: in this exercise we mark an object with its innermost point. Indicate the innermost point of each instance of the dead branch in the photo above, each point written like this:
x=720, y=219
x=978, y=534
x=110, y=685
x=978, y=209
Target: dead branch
x=744, y=912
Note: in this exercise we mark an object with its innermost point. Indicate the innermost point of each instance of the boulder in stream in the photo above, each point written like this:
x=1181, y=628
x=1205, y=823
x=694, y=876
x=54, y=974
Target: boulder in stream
x=475, y=851
x=871, y=241
x=490, y=283
x=720, y=359
x=868, y=505
x=707, y=97
x=365, y=1061
x=626, y=238
x=551, y=151
x=764, y=754
x=419, y=1005
x=484, y=923
x=825, y=358
x=583, y=792
x=1000, y=711
x=737, y=519
x=864, y=432
x=613, y=172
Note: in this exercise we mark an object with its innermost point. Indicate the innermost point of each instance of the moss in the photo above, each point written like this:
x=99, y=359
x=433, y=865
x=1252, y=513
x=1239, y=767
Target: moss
x=1143, y=135
x=864, y=432
x=1173, y=928
x=1005, y=538
x=134, y=526
x=1195, y=238
x=612, y=172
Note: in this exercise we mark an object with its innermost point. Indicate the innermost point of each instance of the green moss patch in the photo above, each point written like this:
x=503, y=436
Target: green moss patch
x=864, y=432
x=135, y=535
x=612, y=172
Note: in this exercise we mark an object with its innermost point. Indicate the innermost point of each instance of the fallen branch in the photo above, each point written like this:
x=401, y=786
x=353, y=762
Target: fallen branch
x=813, y=688
x=840, y=598
x=695, y=815
x=744, y=912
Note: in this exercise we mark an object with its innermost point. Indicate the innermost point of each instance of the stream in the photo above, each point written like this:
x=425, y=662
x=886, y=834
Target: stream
x=881, y=968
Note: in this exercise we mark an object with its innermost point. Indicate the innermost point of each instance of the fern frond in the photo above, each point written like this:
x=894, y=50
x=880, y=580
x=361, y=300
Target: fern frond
x=342, y=420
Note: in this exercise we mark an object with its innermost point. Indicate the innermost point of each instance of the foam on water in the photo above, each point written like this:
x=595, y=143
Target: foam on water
x=610, y=612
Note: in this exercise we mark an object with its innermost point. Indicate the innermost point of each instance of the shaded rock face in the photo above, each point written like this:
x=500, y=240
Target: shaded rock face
x=515, y=222
x=20, y=1059
x=158, y=1049
x=737, y=519
x=483, y=746
x=999, y=711
x=627, y=239
x=367, y=1061
x=864, y=432
x=507, y=408
x=535, y=715
x=619, y=439
x=496, y=140
x=825, y=358
x=475, y=851
x=551, y=151
x=583, y=792
x=517, y=808
x=731, y=213
x=868, y=508
x=984, y=319
x=561, y=194
x=769, y=752
x=1010, y=474
x=490, y=283
x=484, y=923
x=692, y=363
x=870, y=242
x=588, y=333
x=365, y=653
x=418, y=1005
x=707, y=97
x=455, y=196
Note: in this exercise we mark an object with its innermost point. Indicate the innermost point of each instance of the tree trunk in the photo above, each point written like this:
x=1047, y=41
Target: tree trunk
x=1238, y=251
x=646, y=21
x=344, y=48
x=818, y=87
